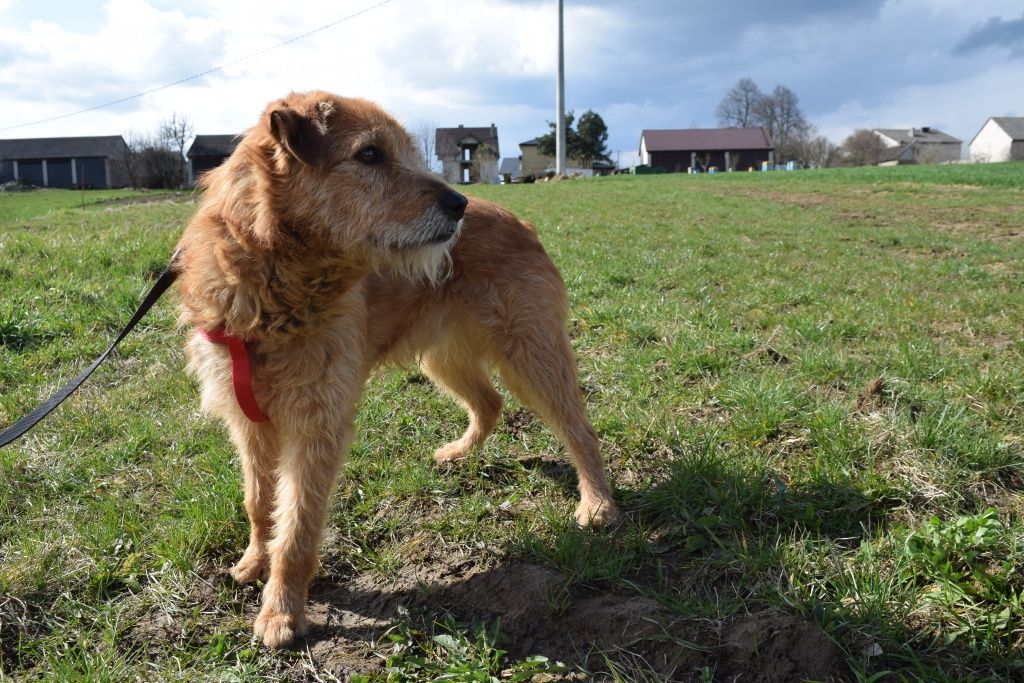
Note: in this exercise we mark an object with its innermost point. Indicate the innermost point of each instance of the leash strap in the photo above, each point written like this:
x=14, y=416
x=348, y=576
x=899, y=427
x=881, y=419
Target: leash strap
x=26, y=423
x=241, y=376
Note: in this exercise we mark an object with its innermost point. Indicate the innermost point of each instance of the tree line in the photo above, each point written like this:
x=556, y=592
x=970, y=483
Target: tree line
x=779, y=112
x=157, y=160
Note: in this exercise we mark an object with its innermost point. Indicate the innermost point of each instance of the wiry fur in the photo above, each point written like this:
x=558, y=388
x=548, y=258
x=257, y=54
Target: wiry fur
x=328, y=267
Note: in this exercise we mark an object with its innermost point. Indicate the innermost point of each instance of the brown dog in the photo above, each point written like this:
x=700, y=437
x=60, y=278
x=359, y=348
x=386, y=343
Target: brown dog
x=326, y=246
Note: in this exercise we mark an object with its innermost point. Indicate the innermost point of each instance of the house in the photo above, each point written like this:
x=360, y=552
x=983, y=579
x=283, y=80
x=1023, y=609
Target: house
x=511, y=170
x=531, y=163
x=701, y=149
x=207, y=152
x=917, y=146
x=96, y=161
x=1000, y=139
x=468, y=154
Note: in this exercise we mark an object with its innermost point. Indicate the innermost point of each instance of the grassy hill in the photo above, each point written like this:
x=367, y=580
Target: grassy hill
x=809, y=388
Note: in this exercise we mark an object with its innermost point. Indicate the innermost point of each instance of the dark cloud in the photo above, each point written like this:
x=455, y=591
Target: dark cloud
x=996, y=32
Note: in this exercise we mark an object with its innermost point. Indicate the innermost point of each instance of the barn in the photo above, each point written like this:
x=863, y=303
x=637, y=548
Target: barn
x=701, y=149
x=208, y=152
x=92, y=162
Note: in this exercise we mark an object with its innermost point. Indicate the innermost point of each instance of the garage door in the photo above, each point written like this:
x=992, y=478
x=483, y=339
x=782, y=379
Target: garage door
x=58, y=172
x=92, y=172
x=32, y=171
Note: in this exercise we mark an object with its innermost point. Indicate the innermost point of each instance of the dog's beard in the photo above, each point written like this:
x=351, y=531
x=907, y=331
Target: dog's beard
x=421, y=250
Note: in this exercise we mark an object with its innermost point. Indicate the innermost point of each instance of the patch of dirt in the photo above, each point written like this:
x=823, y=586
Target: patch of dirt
x=767, y=352
x=518, y=421
x=536, y=614
x=774, y=646
x=870, y=397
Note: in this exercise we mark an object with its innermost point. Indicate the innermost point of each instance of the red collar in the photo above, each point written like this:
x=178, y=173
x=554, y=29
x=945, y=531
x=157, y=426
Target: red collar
x=241, y=375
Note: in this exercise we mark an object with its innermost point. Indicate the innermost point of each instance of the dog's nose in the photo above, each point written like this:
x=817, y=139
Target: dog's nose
x=453, y=203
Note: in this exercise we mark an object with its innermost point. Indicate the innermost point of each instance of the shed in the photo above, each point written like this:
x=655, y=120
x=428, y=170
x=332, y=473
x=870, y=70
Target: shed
x=677, y=149
x=208, y=152
x=92, y=162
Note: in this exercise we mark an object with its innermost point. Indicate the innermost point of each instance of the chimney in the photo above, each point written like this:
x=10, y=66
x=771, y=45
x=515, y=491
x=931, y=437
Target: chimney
x=926, y=129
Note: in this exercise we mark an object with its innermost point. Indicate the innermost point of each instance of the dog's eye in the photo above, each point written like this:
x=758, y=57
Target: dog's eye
x=370, y=155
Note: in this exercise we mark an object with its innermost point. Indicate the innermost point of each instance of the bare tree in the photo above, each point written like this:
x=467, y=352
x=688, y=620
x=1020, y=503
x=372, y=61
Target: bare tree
x=862, y=148
x=424, y=133
x=175, y=133
x=815, y=151
x=131, y=163
x=780, y=113
x=739, y=106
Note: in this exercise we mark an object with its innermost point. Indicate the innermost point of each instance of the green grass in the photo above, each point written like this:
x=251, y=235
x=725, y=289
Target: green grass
x=809, y=388
x=15, y=206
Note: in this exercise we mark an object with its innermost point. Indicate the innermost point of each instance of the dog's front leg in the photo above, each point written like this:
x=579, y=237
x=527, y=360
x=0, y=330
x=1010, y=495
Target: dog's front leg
x=257, y=450
x=310, y=458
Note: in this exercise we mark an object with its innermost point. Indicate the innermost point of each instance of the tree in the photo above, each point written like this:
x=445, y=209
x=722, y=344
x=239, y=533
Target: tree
x=862, y=148
x=780, y=113
x=592, y=136
x=815, y=151
x=737, y=109
x=585, y=145
x=175, y=133
x=424, y=135
x=131, y=162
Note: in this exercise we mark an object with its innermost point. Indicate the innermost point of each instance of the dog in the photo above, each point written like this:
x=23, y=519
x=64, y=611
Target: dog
x=325, y=248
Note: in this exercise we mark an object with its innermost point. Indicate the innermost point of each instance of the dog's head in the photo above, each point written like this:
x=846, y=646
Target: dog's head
x=342, y=174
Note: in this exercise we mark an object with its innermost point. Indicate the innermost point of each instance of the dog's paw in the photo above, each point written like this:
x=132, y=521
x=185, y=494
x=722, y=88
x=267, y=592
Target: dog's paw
x=596, y=512
x=254, y=566
x=278, y=629
x=456, y=450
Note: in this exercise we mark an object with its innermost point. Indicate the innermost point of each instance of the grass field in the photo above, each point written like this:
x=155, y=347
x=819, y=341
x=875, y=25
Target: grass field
x=809, y=388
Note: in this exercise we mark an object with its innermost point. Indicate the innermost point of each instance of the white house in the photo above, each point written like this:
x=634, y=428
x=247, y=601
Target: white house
x=1000, y=139
x=917, y=146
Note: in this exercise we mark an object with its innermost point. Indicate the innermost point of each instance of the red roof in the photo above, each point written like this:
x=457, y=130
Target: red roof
x=706, y=139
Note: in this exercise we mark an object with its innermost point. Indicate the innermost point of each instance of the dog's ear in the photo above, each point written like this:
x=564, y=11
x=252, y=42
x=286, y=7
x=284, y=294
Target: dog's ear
x=304, y=136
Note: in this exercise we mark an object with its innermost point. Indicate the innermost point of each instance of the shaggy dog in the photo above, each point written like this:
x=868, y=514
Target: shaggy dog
x=326, y=248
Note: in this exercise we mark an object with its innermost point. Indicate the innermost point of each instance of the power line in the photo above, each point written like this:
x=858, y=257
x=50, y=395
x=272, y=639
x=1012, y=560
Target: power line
x=204, y=73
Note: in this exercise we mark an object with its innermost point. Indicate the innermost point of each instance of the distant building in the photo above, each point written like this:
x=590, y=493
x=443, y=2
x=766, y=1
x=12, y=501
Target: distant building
x=92, y=162
x=468, y=154
x=701, y=149
x=1000, y=139
x=531, y=163
x=917, y=146
x=207, y=152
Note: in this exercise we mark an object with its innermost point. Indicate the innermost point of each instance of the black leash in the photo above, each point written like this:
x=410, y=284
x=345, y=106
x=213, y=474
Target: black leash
x=26, y=423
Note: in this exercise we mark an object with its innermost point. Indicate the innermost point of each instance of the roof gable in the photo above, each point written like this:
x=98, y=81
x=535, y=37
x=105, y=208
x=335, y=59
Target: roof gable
x=1011, y=125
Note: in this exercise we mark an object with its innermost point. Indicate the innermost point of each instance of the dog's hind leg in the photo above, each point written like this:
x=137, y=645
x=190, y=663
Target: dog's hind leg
x=539, y=367
x=257, y=450
x=465, y=378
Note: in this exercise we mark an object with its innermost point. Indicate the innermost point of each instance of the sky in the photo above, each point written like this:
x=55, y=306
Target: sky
x=949, y=64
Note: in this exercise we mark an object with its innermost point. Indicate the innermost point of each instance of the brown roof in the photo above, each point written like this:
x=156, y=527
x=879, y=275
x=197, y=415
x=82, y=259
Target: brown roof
x=706, y=139
x=447, y=140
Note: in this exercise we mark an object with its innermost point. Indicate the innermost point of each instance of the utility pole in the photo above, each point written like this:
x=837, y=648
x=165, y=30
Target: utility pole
x=560, y=100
